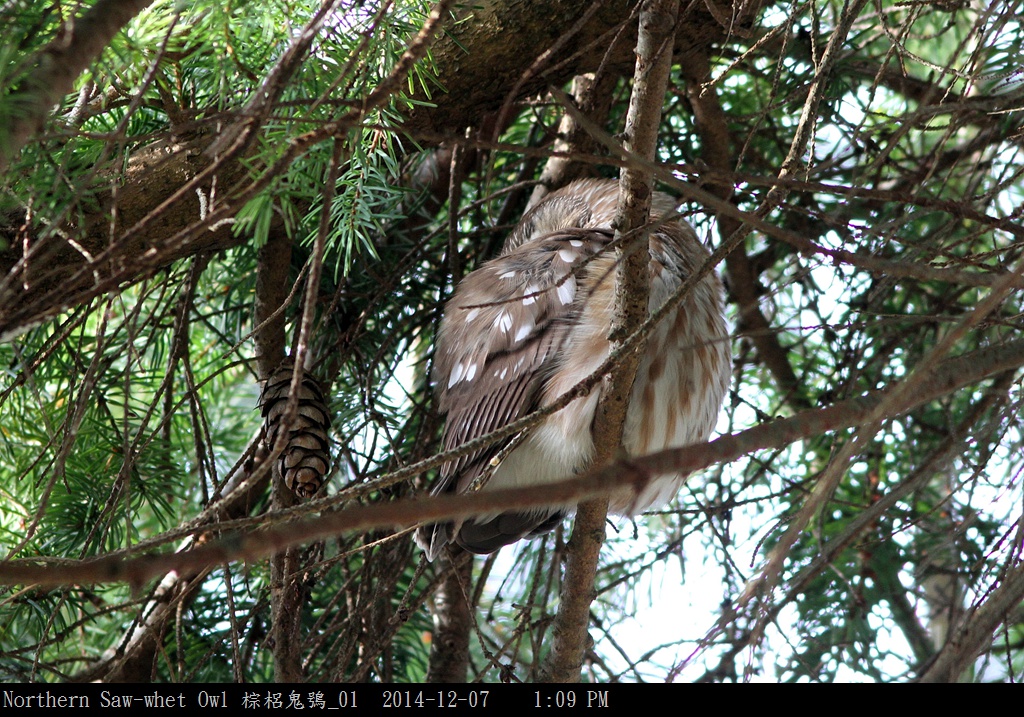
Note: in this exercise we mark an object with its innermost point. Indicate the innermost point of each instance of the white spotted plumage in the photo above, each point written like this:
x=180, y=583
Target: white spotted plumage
x=540, y=329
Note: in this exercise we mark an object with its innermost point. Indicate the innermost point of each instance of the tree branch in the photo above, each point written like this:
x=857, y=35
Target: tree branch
x=453, y=618
x=974, y=633
x=716, y=149
x=59, y=277
x=945, y=379
x=632, y=285
x=58, y=65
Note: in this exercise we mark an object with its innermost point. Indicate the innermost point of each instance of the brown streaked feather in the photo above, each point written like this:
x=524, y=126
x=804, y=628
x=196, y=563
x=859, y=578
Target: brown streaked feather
x=515, y=309
x=530, y=325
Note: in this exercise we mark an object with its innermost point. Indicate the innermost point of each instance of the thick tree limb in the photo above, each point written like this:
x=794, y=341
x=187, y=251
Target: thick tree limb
x=159, y=218
x=453, y=618
x=632, y=286
x=948, y=377
x=476, y=65
x=288, y=594
x=57, y=67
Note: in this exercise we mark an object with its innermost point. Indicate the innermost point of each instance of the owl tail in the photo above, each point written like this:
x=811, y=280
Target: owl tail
x=486, y=536
x=433, y=538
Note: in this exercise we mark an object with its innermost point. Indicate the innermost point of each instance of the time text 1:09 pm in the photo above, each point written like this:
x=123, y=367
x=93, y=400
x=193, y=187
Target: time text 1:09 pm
x=568, y=698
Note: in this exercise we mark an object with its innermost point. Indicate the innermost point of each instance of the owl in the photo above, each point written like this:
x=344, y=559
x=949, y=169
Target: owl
x=532, y=323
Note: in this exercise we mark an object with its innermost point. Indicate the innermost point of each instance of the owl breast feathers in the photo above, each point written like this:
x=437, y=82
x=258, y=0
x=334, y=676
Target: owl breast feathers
x=531, y=324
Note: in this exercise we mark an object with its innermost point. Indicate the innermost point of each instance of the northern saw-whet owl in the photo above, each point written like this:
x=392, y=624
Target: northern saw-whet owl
x=531, y=324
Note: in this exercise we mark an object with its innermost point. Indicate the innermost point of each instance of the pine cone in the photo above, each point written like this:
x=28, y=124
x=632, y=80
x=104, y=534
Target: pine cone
x=306, y=457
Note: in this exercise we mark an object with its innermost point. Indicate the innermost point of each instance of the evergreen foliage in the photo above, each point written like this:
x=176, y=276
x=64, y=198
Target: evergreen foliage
x=131, y=229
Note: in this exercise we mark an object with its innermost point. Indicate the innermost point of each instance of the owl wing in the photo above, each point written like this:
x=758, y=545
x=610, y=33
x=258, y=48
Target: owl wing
x=499, y=341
